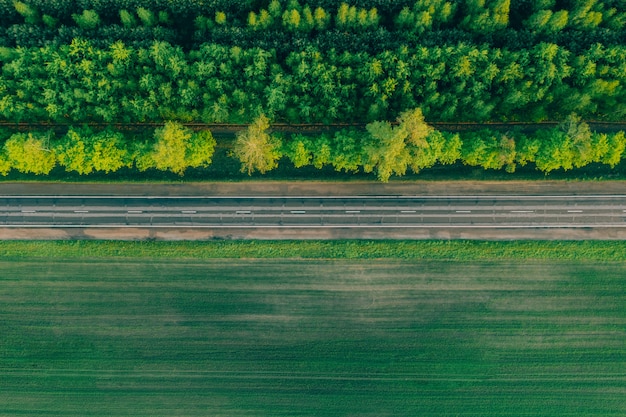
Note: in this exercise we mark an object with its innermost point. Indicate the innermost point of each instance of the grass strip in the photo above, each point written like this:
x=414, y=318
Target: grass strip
x=357, y=249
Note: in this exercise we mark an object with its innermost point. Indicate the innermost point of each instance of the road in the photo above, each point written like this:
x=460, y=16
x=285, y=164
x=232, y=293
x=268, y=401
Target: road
x=192, y=212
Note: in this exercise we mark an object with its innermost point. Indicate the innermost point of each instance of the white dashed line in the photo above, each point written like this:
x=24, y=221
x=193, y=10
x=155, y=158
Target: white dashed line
x=574, y=211
x=463, y=211
x=413, y=211
x=81, y=211
x=353, y=211
x=522, y=211
x=189, y=212
x=242, y=212
x=298, y=211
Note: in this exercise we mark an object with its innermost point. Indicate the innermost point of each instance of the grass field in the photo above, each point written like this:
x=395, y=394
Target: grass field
x=592, y=251
x=277, y=337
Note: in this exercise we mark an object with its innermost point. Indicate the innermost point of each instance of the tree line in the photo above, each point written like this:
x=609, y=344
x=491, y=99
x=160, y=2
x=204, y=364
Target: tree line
x=371, y=25
x=172, y=148
x=79, y=83
x=385, y=149
x=411, y=145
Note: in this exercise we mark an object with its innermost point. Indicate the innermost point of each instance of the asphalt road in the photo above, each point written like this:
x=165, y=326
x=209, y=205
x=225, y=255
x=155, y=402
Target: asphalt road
x=483, y=211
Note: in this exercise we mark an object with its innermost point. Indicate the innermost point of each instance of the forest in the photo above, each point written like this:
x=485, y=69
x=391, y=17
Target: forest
x=314, y=61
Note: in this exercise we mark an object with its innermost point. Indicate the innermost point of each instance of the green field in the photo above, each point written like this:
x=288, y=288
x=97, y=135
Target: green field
x=274, y=337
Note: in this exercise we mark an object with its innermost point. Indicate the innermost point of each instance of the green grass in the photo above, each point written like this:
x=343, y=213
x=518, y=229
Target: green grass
x=151, y=336
x=358, y=249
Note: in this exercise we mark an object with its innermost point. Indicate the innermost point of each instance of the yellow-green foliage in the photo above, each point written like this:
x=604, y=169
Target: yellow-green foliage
x=30, y=153
x=256, y=149
x=177, y=148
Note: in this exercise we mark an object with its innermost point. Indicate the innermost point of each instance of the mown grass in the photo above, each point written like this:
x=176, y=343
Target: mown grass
x=358, y=249
x=276, y=337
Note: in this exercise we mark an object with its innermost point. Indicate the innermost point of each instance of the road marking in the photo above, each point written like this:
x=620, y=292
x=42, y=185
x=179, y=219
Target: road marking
x=352, y=211
x=413, y=211
x=463, y=211
x=81, y=211
x=243, y=212
x=522, y=211
x=33, y=211
x=189, y=212
x=574, y=211
x=326, y=226
x=135, y=211
x=298, y=211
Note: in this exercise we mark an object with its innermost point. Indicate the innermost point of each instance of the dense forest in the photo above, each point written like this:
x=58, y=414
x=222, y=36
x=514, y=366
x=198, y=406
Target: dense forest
x=313, y=61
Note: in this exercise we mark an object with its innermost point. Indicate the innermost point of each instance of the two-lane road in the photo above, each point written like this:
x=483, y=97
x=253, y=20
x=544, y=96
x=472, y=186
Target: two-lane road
x=460, y=211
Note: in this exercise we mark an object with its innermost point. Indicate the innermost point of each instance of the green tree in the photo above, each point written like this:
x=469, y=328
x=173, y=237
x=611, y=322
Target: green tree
x=5, y=166
x=220, y=18
x=89, y=19
x=256, y=149
x=200, y=149
x=616, y=148
x=579, y=137
x=30, y=153
x=322, y=19
x=109, y=152
x=176, y=148
x=299, y=150
x=385, y=152
x=489, y=149
x=428, y=152
x=72, y=152
x=30, y=14
x=127, y=19
x=146, y=16
x=412, y=121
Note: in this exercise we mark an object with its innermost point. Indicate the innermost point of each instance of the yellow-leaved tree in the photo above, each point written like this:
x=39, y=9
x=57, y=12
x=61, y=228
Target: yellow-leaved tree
x=256, y=149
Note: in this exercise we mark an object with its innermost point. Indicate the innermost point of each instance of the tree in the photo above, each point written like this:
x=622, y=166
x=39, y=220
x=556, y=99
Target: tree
x=256, y=149
x=489, y=149
x=146, y=16
x=429, y=152
x=321, y=18
x=5, y=166
x=386, y=151
x=89, y=19
x=412, y=121
x=347, y=150
x=176, y=148
x=30, y=153
x=579, y=136
x=617, y=145
x=555, y=151
x=127, y=19
x=30, y=14
x=298, y=150
x=72, y=152
x=200, y=149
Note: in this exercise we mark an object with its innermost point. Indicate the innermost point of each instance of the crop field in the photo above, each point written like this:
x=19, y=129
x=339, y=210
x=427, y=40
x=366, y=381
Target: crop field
x=278, y=337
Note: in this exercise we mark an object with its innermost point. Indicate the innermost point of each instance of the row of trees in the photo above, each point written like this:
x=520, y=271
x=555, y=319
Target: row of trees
x=415, y=15
x=385, y=149
x=79, y=83
x=172, y=148
x=351, y=26
x=391, y=150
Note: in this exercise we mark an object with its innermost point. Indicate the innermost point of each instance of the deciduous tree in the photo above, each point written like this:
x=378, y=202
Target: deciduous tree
x=256, y=149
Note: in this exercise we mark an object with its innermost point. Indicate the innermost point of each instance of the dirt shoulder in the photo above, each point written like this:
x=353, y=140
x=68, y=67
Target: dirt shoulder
x=316, y=188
